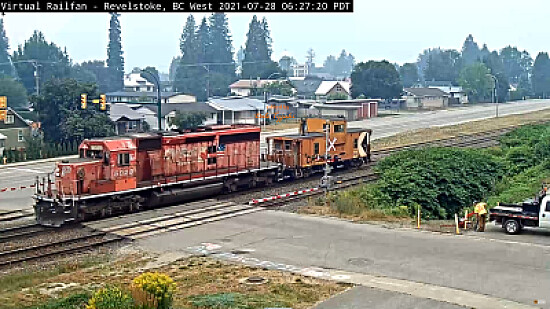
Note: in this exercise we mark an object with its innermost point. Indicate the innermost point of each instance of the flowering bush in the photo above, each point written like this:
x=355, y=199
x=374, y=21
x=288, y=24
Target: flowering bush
x=159, y=289
x=110, y=297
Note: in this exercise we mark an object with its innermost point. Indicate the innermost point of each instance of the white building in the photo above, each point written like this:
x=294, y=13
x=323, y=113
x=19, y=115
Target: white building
x=134, y=82
x=328, y=88
x=300, y=70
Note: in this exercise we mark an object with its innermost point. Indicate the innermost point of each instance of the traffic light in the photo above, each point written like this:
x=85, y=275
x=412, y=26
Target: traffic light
x=83, y=100
x=3, y=102
x=103, y=102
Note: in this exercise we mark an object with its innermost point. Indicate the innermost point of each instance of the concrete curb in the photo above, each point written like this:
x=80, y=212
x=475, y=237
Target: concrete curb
x=26, y=163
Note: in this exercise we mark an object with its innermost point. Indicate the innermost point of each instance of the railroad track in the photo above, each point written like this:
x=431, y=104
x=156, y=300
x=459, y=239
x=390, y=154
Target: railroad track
x=12, y=215
x=176, y=218
x=15, y=232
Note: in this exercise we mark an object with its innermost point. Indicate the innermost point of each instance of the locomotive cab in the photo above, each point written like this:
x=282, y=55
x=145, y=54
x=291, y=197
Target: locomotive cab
x=104, y=165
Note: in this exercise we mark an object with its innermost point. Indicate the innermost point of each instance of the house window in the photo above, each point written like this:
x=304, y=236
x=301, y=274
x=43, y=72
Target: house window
x=123, y=159
x=9, y=119
x=338, y=128
x=137, y=89
x=316, y=148
x=338, y=88
x=20, y=137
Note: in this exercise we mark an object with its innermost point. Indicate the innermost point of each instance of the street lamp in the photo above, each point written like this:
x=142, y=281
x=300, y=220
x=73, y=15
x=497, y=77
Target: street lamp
x=495, y=97
x=159, y=106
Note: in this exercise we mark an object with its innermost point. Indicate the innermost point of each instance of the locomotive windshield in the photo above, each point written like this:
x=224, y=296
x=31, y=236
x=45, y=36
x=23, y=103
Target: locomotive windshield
x=91, y=154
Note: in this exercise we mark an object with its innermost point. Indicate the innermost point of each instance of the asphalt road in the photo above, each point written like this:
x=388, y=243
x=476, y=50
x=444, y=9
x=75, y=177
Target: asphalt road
x=504, y=270
x=382, y=127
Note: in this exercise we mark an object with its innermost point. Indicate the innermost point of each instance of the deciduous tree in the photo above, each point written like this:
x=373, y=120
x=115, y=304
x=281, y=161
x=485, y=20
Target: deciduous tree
x=187, y=121
x=476, y=81
x=376, y=79
x=14, y=91
x=409, y=74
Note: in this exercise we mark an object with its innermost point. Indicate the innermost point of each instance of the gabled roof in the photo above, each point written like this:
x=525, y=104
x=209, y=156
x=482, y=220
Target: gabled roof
x=183, y=107
x=135, y=80
x=306, y=86
x=236, y=104
x=426, y=92
x=120, y=111
x=327, y=85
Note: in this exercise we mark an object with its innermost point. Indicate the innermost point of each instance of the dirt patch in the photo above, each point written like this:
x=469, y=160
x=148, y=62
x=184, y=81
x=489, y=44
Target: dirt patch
x=202, y=282
x=425, y=135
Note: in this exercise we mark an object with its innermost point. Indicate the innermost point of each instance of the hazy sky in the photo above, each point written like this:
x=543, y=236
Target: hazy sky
x=396, y=30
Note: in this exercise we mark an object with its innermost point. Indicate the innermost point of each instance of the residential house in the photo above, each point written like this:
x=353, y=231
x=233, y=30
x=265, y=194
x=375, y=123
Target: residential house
x=14, y=129
x=133, y=82
x=126, y=118
x=238, y=110
x=148, y=97
x=418, y=98
x=306, y=87
x=352, y=110
x=328, y=88
x=300, y=70
x=456, y=94
x=169, y=112
x=247, y=87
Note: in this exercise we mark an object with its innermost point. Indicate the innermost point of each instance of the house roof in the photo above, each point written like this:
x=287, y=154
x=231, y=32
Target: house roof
x=19, y=122
x=135, y=80
x=136, y=94
x=120, y=110
x=306, y=86
x=253, y=83
x=2, y=136
x=327, y=86
x=183, y=107
x=237, y=104
x=426, y=92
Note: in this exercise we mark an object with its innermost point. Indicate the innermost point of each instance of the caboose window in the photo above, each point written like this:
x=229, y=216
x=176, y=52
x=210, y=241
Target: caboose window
x=338, y=128
x=287, y=145
x=123, y=159
x=355, y=143
x=316, y=148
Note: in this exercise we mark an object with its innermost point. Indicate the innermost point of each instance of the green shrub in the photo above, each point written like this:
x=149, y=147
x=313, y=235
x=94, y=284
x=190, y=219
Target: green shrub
x=76, y=301
x=110, y=298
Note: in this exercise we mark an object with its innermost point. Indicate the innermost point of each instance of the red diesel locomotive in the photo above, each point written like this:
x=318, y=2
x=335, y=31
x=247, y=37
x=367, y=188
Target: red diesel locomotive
x=123, y=174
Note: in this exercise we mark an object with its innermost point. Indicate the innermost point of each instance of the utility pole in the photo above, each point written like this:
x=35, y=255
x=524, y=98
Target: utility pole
x=36, y=76
x=495, y=97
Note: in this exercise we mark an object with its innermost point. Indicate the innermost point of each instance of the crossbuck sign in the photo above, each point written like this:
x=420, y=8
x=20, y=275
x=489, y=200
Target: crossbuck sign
x=331, y=144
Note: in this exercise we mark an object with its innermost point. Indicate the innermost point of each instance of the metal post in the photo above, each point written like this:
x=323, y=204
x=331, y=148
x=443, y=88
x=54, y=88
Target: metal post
x=327, y=132
x=159, y=102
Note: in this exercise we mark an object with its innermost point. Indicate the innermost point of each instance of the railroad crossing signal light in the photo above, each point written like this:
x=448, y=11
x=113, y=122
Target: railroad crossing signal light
x=3, y=114
x=3, y=102
x=83, y=100
x=103, y=102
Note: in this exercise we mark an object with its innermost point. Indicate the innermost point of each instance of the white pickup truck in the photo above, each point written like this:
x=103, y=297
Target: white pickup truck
x=514, y=217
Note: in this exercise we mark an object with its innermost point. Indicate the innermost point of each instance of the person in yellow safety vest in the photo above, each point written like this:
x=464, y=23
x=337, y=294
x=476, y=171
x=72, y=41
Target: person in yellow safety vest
x=481, y=212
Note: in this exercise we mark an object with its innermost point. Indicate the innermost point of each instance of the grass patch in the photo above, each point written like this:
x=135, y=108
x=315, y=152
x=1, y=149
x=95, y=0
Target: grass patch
x=75, y=301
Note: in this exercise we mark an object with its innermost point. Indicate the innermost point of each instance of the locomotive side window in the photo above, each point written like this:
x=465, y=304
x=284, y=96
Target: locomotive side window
x=212, y=149
x=316, y=146
x=123, y=159
x=94, y=154
x=338, y=128
x=212, y=160
x=287, y=145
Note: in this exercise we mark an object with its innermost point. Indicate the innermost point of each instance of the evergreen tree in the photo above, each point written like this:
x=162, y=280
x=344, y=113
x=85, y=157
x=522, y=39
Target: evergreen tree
x=38, y=54
x=257, y=53
x=470, y=51
x=541, y=75
x=115, y=60
x=444, y=65
x=223, y=74
x=189, y=75
x=6, y=66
